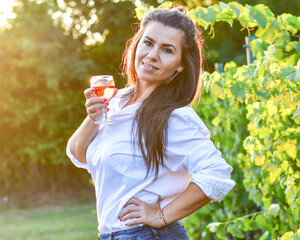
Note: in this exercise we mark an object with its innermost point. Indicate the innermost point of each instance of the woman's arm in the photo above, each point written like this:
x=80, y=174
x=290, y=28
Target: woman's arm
x=185, y=204
x=82, y=138
x=87, y=130
x=191, y=200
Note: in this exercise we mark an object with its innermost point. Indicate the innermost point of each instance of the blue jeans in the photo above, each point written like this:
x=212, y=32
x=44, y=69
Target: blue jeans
x=173, y=231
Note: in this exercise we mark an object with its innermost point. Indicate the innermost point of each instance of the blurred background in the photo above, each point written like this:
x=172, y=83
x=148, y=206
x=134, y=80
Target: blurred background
x=48, y=51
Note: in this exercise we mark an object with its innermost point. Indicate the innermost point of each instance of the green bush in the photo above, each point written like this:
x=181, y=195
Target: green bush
x=256, y=126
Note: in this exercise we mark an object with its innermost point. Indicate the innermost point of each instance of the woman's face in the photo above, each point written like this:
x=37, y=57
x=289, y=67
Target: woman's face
x=159, y=53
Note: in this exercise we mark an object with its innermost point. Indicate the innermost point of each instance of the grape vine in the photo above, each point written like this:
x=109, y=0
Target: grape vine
x=257, y=126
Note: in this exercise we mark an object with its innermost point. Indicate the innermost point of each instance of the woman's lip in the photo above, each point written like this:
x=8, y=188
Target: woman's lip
x=148, y=66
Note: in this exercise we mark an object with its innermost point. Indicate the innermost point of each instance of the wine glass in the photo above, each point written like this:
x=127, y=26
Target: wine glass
x=104, y=86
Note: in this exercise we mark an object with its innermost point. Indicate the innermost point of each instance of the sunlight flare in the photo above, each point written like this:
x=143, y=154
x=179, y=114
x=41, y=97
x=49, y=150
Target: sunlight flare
x=6, y=11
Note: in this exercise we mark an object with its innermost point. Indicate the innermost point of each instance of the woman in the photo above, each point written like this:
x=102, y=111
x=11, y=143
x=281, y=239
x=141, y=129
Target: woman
x=155, y=164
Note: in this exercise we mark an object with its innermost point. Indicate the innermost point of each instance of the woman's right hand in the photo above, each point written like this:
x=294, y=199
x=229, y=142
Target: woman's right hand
x=94, y=105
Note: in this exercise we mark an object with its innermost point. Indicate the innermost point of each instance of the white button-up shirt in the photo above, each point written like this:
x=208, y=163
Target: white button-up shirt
x=118, y=169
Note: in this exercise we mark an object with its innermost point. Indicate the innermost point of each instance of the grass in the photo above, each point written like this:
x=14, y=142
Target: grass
x=66, y=222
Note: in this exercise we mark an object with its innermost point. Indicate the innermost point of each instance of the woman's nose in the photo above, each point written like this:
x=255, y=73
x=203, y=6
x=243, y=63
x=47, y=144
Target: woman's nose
x=153, y=54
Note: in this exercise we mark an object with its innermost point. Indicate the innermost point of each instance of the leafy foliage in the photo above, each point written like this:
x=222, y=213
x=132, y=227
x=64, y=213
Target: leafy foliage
x=111, y=20
x=41, y=88
x=44, y=71
x=268, y=92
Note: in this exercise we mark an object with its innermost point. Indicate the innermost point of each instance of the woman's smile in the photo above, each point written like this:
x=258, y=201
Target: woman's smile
x=149, y=66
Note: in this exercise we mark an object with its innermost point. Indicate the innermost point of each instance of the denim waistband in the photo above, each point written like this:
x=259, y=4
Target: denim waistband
x=167, y=228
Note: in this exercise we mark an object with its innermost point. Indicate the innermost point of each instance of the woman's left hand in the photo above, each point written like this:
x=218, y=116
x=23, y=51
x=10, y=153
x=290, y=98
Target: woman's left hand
x=140, y=212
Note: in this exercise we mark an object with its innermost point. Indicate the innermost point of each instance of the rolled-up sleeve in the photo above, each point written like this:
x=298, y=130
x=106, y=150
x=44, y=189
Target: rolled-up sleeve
x=74, y=160
x=190, y=148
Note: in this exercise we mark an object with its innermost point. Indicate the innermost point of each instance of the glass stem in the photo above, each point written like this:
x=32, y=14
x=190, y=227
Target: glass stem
x=104, y=115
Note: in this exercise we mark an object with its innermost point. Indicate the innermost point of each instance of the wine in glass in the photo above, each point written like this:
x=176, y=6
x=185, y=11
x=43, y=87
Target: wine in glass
x=104, y=86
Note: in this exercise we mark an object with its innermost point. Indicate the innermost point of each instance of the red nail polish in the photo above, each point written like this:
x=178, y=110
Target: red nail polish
x=93, y=89
x=104, y=99
x=119, y=217
x=106, y=103
x=125, y=224
x=108, y=110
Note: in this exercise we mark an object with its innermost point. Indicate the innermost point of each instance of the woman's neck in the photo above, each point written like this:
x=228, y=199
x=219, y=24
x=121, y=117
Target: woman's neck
x=141, y=93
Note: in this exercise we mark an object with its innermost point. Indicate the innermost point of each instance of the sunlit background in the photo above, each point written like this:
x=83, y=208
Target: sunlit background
x=6, y=11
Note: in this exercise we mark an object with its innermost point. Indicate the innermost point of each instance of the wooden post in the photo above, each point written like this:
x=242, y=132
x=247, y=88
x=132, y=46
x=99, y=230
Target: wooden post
x=250, y=57
x=219, y=67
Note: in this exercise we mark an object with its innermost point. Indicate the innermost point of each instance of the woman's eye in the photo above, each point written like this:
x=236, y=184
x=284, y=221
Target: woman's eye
x=147, y=43
x=167, y=50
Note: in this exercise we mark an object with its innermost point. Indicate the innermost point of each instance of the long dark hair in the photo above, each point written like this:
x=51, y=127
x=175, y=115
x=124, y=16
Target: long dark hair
x=153, y=115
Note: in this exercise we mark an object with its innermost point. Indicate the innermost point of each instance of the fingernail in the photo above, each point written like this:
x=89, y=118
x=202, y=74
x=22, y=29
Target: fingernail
x=121, y=219
x=93, y=89
x=108, y=110
x=106, y=103
x=125, y=224
x=104, y=99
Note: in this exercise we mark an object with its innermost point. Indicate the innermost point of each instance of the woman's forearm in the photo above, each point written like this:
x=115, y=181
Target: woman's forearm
x=185, y=204
x=82, y=138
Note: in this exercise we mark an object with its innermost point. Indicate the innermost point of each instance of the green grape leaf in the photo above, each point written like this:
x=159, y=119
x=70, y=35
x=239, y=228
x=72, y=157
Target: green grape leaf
x=274, y=210
x=223, y=5
x=206, y=16
x=290, y=22
x=262, y=94
x=226, y=15
x=236, y=8
x=245, y=19
x=267, y=79
x=253, y=224
x=266, y=11
x=238, y=90
x=296, y=115
x=244, y=224
x=290, y=194
x=206, y=78
x=167, y=5
x=269, y=33
x=235, y=232
x=287, y=236
x=296, y=235
x=297, y=46
x=221, y=234
x=291, y=148
x=250, y=72
x=285, y=72
x=261, y=221
x=140, y=11
x=283, y=39
x=291, y=59
x=258, y=16
x=218, y=90
x=265, y=236
x=290, y=46
x=279, y=54
x=213, y=226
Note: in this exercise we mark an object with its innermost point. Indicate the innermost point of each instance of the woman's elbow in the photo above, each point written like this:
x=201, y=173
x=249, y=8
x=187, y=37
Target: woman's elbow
x=78, y=152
